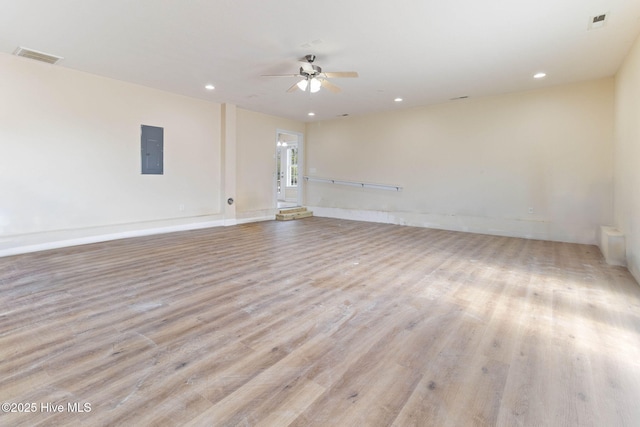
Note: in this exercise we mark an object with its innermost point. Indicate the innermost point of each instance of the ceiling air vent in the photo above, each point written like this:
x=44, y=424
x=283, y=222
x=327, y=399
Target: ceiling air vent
x=597, y=21
x=38, y=56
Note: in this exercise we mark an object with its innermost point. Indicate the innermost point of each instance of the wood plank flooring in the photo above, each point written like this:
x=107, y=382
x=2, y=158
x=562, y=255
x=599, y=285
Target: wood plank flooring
x=319, y=322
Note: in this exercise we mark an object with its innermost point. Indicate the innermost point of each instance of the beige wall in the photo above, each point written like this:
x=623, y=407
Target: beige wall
x=70, y=144
x=627, y=157
x=256, y=165
x=476, y=165
x=70, y=163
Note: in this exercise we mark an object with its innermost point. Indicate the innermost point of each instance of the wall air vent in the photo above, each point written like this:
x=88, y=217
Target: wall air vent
x=38, y=56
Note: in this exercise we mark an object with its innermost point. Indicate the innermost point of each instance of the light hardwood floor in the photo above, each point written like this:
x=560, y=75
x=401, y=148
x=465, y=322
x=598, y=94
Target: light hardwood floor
x=320, y=322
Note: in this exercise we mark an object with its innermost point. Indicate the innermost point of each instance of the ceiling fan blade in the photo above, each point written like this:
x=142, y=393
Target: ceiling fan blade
x=280, y=75
x=293, y=88
x=330, y=86
x=336, y=74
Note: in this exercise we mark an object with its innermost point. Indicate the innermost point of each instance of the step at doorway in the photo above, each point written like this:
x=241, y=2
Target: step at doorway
x=288, y=214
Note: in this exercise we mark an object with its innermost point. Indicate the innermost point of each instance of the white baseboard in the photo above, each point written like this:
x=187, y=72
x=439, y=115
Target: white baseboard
x=255, y=219
x=20, y=244
x=14, y=245
x=54, y=240
x=256, y=216
x=538, y=229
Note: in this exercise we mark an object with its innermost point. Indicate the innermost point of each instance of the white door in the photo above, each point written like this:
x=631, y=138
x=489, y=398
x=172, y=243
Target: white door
x=288, y=177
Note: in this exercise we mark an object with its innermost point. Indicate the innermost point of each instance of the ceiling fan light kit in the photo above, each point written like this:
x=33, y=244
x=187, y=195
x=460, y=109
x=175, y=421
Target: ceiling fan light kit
x=302, y=85
x=314, y=85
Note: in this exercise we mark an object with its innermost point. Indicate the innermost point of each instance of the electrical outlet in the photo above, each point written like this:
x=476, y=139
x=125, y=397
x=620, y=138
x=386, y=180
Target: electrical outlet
x=181, y=207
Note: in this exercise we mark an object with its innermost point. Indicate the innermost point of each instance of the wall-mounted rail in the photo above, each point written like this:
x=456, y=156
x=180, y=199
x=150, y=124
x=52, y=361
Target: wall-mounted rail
x=354, y=183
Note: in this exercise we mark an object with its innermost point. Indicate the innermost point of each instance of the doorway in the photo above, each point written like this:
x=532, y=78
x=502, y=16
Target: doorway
x=288, y=176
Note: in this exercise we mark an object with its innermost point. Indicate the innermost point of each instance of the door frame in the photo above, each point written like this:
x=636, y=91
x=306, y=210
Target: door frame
x=301, y=187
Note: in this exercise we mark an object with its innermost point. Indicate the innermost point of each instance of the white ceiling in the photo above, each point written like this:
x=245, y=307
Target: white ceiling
x=424, y=51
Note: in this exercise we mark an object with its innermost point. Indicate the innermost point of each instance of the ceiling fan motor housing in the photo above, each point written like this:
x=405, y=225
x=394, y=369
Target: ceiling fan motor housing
x=315, y=71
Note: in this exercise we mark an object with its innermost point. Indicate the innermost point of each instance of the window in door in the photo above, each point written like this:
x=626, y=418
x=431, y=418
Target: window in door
x=292, y=166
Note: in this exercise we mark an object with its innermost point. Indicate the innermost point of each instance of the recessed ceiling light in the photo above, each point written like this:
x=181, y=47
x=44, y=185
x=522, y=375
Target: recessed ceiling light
x=311, y=114
x=209, y=87
x=539, y=75
x=398, y=100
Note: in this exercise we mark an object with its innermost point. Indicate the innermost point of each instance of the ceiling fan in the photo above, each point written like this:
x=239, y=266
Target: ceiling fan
x=313, y=78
